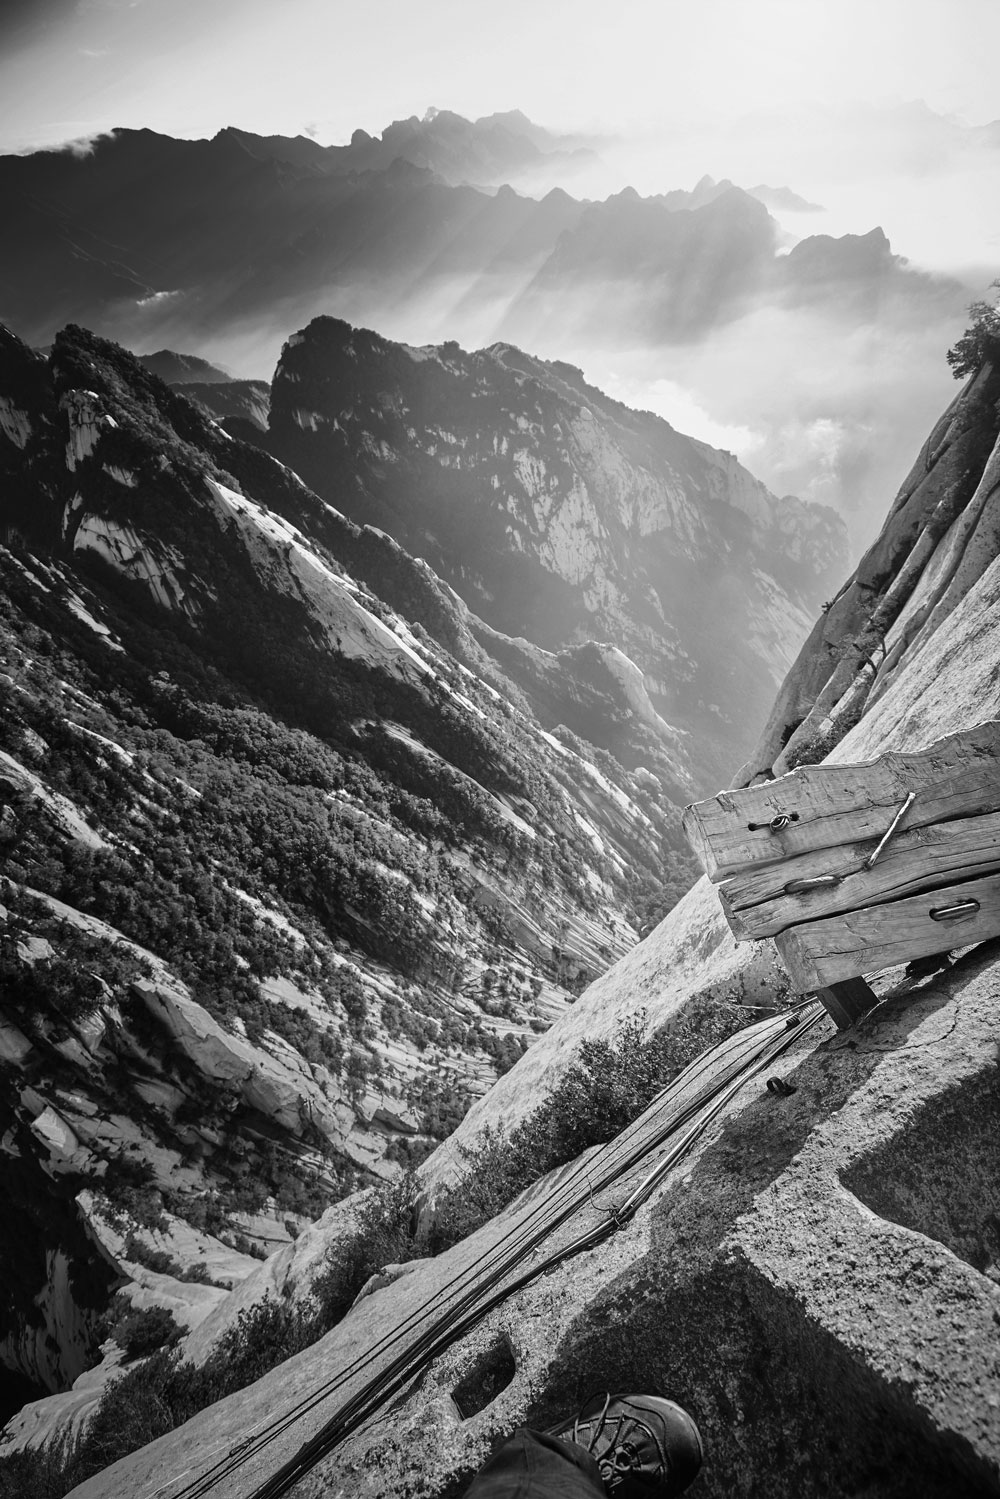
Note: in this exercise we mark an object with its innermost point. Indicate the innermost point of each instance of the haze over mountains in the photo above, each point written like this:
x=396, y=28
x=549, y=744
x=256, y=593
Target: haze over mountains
x=219, y=247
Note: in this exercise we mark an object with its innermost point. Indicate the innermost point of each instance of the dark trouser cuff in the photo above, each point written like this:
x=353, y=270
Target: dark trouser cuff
x=533, y=1465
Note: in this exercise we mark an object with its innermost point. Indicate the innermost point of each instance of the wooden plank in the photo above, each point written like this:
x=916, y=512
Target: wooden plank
x=847, y=1002
x=820, y=953
x=756, y=903
x=829, y=805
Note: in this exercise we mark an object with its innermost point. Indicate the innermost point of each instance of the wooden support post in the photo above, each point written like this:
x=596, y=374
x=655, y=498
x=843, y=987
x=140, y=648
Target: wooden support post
x=847, y=1001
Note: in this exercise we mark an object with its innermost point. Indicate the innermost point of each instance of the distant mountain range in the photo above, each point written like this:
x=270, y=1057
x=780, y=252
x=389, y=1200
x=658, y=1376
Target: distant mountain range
x=184, y=369
x=487, y=151
x=194, y=241
x=823, y=355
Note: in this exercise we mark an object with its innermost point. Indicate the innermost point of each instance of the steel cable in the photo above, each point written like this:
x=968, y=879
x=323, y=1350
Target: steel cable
x=473, y=1292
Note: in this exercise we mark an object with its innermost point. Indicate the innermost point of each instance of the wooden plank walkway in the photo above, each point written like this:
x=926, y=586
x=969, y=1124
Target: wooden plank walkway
x=856, y=868
x=763, y=902
x=828, y=805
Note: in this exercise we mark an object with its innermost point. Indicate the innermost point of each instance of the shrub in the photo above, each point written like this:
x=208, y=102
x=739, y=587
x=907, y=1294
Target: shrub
x=144, y=1331
x=980, y=341
x=153, y=1259
x=134, y=1410
x=606, y=1088
x=39, y=1474
x=386, y=1234
x=130, y=1195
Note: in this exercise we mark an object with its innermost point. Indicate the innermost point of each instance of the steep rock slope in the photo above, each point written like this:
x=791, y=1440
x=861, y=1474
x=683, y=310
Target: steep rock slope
x=559, y=514
x=908, y=651
x=818, y=1280
x=798, y=1283
x=940, y=538
x=290, y=877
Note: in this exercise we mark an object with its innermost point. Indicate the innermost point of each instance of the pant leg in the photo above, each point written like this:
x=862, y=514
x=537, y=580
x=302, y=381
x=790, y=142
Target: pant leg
x=533, y=1465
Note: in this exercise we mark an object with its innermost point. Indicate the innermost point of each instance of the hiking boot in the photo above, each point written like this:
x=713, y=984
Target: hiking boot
x=642, y=1444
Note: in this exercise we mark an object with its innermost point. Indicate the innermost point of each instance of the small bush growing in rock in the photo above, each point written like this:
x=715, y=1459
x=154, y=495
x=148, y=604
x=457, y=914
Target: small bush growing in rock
x=136, y=1250
x=980, y=341
x=47, y=1474
x=145, y=1330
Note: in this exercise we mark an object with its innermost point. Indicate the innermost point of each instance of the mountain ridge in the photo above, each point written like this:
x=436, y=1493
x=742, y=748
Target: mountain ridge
x=559, y=513
x=329, y=897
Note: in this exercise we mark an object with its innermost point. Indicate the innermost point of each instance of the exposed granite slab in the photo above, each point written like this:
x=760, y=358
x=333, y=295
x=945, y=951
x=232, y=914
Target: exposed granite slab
x=823, y=1346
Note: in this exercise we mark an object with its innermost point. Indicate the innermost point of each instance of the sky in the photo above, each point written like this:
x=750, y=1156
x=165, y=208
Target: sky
x=188, y=67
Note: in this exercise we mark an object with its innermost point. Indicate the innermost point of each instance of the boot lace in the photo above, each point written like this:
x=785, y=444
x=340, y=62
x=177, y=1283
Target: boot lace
x=620, y=1456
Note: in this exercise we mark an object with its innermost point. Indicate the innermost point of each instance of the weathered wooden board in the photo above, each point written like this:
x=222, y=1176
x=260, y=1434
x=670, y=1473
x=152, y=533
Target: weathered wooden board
x=829, y=805
x=820, y=953
x=756, y=903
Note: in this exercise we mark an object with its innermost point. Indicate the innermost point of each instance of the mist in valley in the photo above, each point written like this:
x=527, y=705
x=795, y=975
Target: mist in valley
x=823, y=397
x=549, y=228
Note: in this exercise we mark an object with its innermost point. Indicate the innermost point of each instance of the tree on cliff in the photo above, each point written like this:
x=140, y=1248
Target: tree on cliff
x=980, y=341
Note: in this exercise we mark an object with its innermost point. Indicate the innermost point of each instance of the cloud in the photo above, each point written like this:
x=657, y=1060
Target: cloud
x=83, y=145
x=679, y=407
x=812, y=402
x=835, y=411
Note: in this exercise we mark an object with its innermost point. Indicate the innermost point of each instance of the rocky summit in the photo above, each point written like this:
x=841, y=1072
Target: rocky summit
x=816, y=1278
x=307, y=835
x=559, y=514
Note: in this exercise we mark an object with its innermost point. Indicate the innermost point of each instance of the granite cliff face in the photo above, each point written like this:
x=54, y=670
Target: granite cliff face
x=818, y=1280
x=938, y=544
x=560, y=515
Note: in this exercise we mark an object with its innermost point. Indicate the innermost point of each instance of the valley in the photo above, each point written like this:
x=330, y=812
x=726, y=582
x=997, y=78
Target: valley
x=302, y=847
